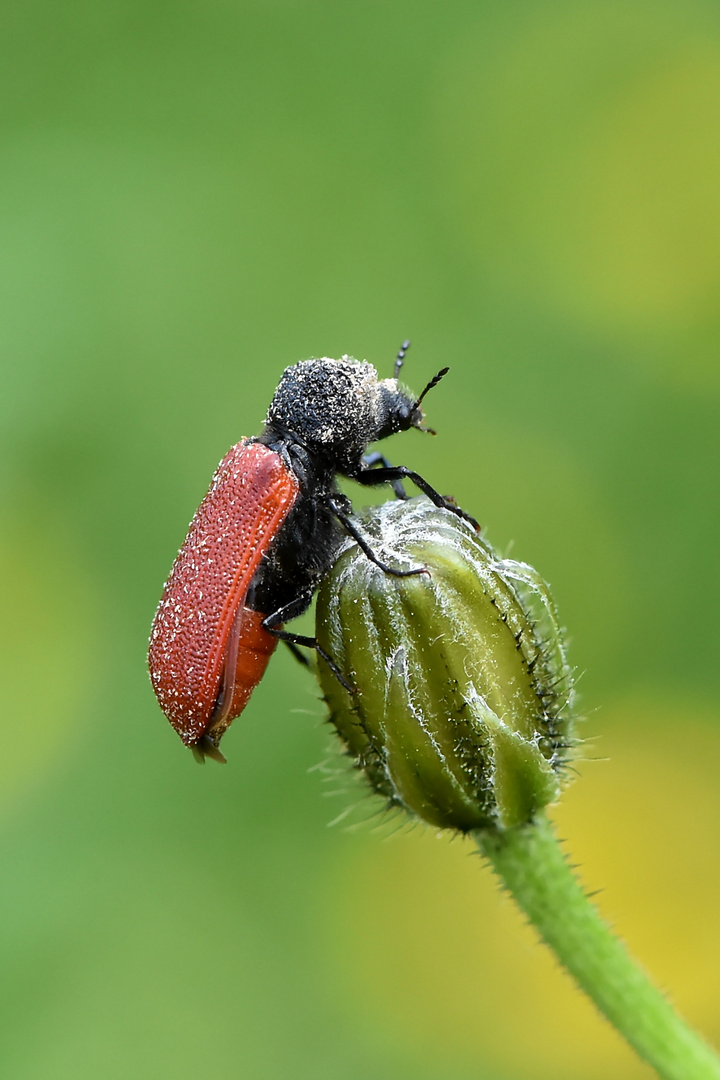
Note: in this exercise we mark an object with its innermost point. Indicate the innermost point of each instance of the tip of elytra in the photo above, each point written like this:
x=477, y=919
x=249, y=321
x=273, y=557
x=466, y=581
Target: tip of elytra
x=206, y=748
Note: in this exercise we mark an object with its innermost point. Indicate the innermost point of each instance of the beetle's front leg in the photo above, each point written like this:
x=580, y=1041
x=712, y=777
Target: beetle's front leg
x=369, y=461
x=372, y=477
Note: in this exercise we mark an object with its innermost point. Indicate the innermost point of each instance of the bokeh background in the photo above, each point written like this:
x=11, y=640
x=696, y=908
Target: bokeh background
x=192, y=196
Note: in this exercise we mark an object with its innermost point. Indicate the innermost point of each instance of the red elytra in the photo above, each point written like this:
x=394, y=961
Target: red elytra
x=205, y=644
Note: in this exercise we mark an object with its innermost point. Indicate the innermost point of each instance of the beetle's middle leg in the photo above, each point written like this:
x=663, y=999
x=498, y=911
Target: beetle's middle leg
x=273, y=624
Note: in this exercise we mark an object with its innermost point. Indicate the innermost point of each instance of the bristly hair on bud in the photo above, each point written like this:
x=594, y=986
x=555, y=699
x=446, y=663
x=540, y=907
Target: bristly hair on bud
x=458, y=706
x=462, y=703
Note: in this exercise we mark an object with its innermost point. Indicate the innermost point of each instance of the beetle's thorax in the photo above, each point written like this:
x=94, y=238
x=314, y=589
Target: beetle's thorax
x=335, y=408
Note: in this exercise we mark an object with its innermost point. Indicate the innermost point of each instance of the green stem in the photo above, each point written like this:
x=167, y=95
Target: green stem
x=533, y=868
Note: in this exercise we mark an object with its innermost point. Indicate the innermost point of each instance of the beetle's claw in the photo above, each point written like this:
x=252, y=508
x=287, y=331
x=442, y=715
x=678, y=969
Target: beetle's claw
x=206, y=748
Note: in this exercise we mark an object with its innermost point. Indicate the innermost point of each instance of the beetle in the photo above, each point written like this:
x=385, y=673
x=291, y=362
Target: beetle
x=267, y=532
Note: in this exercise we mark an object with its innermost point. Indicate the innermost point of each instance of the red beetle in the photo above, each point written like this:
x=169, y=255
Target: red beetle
x=267, y=532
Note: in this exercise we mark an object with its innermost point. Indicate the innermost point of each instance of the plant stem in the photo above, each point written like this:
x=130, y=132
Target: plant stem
x=534, y=869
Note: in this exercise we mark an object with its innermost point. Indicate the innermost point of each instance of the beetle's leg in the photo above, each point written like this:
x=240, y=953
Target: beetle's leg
x=362, y=543
x=273, y=623
x=299, y=656
x=291, y=610
x=370, y=477
x=369, y=461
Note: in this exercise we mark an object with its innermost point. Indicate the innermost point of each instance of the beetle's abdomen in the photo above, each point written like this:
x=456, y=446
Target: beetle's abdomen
x=250, y=496
x=250, y=646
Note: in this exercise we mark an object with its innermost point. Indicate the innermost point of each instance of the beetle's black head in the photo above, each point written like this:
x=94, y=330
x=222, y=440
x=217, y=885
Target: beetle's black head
x=335, y=408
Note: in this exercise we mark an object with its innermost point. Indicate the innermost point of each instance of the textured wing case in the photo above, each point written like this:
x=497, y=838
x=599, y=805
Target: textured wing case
x=250, y=496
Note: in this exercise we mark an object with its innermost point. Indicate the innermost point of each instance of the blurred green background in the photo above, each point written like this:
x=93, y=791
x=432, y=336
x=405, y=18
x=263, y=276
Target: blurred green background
x=192, y=196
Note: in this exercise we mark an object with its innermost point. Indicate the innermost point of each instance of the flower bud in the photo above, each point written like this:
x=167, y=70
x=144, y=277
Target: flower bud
x=461, y=700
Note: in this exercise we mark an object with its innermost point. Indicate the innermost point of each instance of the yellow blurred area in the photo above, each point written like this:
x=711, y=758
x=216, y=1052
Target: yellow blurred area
x=604, y=125
x=446, y=963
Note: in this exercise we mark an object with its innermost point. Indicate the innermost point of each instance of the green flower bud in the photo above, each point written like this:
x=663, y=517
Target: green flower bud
x=462, y=697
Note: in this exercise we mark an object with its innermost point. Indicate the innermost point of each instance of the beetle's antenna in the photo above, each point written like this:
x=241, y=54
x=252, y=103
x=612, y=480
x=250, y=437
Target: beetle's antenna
x=416, y=406
x=433, y=382
x=400, y=358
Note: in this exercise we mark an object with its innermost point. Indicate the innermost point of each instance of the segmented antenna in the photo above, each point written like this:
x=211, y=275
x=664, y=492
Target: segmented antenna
x=400, y=358
x=433, y=382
